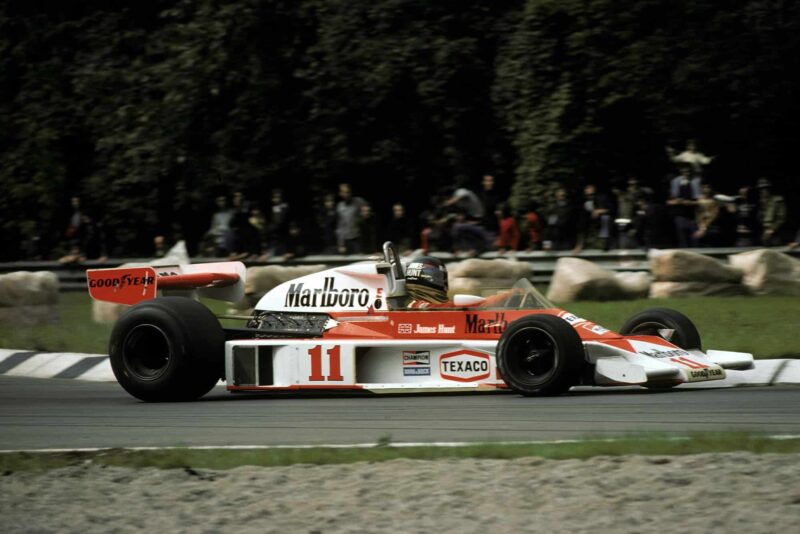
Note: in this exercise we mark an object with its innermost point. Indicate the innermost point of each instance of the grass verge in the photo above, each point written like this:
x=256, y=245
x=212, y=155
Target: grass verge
x=384, y=451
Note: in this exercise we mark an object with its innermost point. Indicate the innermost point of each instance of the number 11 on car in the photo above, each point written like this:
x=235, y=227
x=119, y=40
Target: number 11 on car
x=334, y=359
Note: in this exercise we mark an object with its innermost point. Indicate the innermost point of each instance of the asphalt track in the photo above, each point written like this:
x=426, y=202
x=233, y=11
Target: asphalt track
x=53, y=413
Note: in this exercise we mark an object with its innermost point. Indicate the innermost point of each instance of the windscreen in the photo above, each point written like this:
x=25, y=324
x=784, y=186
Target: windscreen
x=521, y=296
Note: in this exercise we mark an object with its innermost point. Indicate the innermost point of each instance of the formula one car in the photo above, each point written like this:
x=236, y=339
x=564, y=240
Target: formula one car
x=348, y=328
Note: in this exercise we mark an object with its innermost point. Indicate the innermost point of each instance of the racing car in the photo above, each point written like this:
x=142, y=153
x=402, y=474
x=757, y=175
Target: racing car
x=350, y=328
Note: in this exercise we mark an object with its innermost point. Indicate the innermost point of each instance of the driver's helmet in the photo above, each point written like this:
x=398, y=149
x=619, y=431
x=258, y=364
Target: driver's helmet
x=426, y=279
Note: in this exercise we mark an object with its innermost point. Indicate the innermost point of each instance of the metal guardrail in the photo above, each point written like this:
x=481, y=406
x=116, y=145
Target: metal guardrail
x=72, y=276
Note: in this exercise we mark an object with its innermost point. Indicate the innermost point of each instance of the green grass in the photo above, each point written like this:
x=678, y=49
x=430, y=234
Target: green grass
x=765, y=326
x=227, y=459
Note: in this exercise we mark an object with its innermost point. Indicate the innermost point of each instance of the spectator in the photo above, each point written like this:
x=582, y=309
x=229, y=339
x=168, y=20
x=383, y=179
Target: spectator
x=627, y=206
x=159, y=246
x=217, y=241
x=707, y=218
x=489, y=199
x=399, y=229
x=594, y=221
x=561, y=229
x=327, y=223
x=73, y=232
x=347, y=214
x=684, y=190
x=368, y=230
x=508, y=235
x=294, y=245
x=245, y=240
x=695, y=159
x=795, y=242
x=533, y=226
x=771, y=213
x=465, y=201
x=652, y=222
x=261, y=230
x=278, y=223
x=745, y=220
x=469, y=237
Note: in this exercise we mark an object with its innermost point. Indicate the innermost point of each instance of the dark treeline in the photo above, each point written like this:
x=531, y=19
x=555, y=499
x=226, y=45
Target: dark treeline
x=147, y=110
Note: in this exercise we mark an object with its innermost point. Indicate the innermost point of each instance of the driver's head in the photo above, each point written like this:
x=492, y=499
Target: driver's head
x=426, y=279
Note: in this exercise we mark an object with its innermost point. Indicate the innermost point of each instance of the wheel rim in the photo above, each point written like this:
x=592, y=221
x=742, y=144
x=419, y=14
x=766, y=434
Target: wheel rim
x=146, y=352
x=533, y=356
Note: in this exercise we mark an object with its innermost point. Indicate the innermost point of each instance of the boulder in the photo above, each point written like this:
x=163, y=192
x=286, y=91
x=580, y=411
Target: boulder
x=33, y=315
x=769, y=272
x=259, y=280
x=686, y=266
x=696, y=289
x=22, y=288
x=498, y=269
x=578, y=279
x=476, y=276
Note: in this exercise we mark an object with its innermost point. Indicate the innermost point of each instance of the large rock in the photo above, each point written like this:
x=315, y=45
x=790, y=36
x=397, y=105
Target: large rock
x=33, y=315
x=769, y=272
x=259, y=280
x=686, y=266
x=578, y=279
x=476, y=276
x=498, y=269
x=22, y=288
x=696, y=289
x=109, y=312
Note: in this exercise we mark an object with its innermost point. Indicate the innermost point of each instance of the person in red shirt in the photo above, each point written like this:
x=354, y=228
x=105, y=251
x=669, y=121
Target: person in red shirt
x=508, y=236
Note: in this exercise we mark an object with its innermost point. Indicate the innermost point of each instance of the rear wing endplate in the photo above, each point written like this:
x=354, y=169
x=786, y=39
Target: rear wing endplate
x=129, y=285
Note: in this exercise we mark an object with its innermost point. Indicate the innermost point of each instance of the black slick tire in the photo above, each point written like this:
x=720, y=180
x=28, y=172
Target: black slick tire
x=540, y=355
x=649, y=322
x=167, y=349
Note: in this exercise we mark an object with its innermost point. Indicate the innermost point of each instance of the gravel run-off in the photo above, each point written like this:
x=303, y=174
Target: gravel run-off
x=731, y=492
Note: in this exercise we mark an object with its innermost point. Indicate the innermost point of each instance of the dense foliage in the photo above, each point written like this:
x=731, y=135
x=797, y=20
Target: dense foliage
x=149, y=109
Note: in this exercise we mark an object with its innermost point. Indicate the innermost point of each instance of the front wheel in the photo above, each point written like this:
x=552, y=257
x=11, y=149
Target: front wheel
x=656, y=320
x=167, y=349
x=540, y=355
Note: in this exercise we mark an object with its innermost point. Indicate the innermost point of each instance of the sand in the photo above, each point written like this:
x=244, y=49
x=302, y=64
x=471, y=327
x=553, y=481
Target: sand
x=735, y=492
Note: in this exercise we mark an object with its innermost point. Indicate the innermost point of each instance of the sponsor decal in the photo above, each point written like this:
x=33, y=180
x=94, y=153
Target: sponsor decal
x=378, y=304
x=571, y=318
x=438, y=329
x=119, y=282
x=486, y=325
x=710, y=373
x=595, y=328
x=656, y=353
x=464, y=366
x=404, y=328
x=416, y=357
x=299, y=296
x=416, y=371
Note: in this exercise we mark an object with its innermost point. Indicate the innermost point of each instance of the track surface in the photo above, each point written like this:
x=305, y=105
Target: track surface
x=39, y=414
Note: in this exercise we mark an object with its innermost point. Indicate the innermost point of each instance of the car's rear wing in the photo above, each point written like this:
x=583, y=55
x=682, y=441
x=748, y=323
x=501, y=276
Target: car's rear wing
x=129, y=285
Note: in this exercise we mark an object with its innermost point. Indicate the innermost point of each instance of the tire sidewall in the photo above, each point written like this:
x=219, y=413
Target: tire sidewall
x=569, y=357
x=196, y=349
x=686, y=335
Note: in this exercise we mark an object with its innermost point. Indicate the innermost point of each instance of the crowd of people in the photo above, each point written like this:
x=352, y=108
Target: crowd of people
x=688, y=212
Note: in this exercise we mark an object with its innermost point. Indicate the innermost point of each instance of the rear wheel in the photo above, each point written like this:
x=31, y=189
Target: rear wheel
x=167, y=349
x=540, y=355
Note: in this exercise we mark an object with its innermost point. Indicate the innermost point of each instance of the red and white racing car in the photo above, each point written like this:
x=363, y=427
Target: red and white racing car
x=346, y=328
